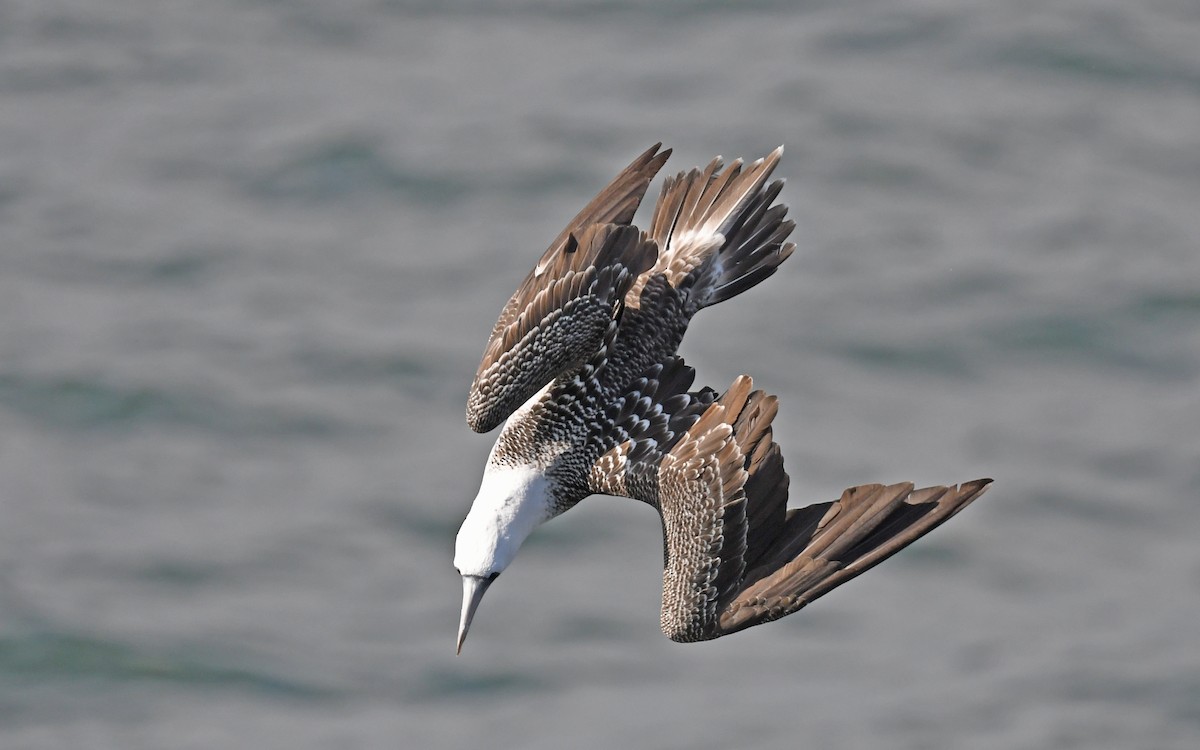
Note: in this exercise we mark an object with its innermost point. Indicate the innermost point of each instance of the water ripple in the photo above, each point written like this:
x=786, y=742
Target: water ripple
x=439, y=684
x=338, y=169
x=56, y=656
x=1109, y=65
x=92, y=402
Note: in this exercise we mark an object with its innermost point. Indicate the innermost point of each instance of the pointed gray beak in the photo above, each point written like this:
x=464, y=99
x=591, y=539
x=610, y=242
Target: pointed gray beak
x=473, y=588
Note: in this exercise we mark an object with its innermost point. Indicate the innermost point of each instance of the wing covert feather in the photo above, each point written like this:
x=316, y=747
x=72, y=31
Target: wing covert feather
x=560, y=320
x=557, y=317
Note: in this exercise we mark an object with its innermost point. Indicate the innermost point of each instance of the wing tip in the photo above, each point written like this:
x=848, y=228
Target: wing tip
x=651, y=160
x=479, y=422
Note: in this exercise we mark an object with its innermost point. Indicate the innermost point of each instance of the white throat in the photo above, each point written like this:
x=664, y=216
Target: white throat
x=511, y=503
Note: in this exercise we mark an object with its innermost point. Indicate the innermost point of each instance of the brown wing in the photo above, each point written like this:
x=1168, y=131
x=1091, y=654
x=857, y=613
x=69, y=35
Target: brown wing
x=825, y=545
x=559, y=314
x=734, y=555
x=718, y=231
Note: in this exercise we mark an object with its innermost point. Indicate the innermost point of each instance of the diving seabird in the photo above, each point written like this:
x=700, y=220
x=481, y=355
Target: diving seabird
x=582, y=363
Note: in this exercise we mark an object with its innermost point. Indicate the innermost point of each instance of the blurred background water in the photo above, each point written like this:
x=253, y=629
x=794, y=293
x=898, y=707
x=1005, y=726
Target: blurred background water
x=251, y=250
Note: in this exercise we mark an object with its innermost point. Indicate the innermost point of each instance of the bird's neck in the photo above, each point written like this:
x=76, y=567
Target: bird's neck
x=512, y=502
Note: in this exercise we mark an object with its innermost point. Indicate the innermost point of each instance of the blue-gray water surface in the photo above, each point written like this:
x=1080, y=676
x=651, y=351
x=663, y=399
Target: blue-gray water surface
x=249, y=254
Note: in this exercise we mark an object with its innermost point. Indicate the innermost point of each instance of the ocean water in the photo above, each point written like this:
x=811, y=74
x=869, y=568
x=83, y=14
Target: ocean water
x=250, y=251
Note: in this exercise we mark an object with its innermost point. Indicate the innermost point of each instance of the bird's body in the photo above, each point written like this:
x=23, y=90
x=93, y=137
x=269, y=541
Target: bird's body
x=583, y=358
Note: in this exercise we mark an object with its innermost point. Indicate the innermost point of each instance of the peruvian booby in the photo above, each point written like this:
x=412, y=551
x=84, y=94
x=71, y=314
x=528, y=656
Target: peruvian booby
x=582, y=362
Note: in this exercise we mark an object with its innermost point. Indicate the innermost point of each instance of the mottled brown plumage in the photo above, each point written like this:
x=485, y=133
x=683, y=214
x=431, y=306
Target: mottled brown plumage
x=561, y=319
x=556, y=318
x=586, y=348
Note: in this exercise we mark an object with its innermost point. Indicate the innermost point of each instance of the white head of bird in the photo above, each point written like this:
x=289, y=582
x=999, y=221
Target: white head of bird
x=511, y=503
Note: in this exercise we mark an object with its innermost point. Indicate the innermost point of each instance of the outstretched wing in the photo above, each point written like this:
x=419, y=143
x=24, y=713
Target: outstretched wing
x=734, y=555
x=823, y=546
x=559, y=314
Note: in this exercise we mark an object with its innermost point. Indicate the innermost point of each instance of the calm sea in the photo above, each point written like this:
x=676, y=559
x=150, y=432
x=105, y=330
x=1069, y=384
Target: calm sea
x=249, y=254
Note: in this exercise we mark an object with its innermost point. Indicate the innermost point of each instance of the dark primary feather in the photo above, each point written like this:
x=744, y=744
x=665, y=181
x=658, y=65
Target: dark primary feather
x=878, y=522
x=619, y=200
